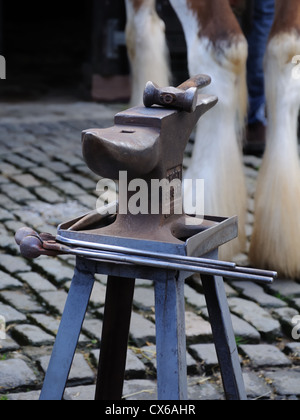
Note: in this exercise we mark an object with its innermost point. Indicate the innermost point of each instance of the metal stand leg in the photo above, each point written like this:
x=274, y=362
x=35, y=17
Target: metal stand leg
x=68, y=335
x=224, y=338
x=170, y=336
x=114, y=343
x=171, y=339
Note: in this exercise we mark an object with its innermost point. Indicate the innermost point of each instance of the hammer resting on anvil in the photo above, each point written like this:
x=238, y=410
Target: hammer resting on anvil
x=149, y=143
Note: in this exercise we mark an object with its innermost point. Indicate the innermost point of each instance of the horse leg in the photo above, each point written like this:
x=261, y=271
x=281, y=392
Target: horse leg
x=147, y=48
x=276, y=237
x=217, y=47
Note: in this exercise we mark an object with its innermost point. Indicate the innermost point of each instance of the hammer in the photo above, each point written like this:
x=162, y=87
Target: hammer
x=184, y=97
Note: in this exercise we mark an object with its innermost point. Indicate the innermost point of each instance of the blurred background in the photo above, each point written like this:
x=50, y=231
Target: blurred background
x=75, y=50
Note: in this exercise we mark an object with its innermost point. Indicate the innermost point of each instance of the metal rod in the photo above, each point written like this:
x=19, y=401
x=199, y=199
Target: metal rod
x=136, y=252
x=247, y=270
x=113, y=257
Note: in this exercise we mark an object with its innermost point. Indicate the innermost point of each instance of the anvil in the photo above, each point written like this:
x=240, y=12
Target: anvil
x=148, y=143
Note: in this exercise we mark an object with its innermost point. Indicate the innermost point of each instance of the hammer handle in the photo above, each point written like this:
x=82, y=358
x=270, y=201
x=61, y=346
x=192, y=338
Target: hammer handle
x=200, y=81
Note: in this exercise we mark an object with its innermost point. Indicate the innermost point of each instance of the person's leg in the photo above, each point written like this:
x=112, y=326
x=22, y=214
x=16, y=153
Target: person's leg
x=257, y=40
x=263, y=17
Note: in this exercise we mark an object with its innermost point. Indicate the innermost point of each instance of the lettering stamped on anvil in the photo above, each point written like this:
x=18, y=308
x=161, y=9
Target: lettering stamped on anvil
x=172, y=198
x=175, y=173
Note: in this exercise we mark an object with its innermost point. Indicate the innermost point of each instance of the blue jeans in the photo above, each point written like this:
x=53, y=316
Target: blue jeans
x=257, y=39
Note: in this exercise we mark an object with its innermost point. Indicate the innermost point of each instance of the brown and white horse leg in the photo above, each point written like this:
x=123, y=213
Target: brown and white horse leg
x=217, y=47
x=276, y=237
x=147, y=48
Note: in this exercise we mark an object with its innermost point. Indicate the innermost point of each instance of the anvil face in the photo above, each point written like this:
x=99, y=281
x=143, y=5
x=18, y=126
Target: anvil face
x=135, y=150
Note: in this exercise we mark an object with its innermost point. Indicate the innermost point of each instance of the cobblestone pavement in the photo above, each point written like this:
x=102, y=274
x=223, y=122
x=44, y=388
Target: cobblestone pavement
x=44, y=181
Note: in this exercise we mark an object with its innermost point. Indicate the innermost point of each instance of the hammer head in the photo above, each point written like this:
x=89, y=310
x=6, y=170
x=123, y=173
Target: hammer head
x=184, y=97
x=170, y=97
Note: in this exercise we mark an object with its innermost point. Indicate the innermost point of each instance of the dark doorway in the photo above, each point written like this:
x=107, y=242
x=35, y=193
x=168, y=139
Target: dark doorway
x=47, y=46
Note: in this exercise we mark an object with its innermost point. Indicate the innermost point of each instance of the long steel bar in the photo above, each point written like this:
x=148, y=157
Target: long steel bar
x=142, y=253
x=165, y=265
x=202, y=262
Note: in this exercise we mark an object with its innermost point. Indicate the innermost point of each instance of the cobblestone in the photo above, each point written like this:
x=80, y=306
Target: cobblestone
x=55, y=269
x=31, y=335
x=142, y=330
x=15, y=373
x=262, y=355
x=17, y=193
x=244, y=331
x=256, y=386
x=197, y=329
x=55, y=300
x=27, y=181
x=8, y=282
x=48, y=195
x=7, y=203
x=13, y=264
x=256, y=293
x=80, y=372
x=69, y=188
x=93, y=327
x=285, y=382
x=11, y=315
x=21, y=301
x=37, y=283
x=258, y=317
x=206, y=353
x=43, y=182
x=285, y=288
x=44, y=174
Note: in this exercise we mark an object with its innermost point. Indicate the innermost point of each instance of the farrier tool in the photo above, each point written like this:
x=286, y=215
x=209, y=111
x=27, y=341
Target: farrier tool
x=33, y=245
